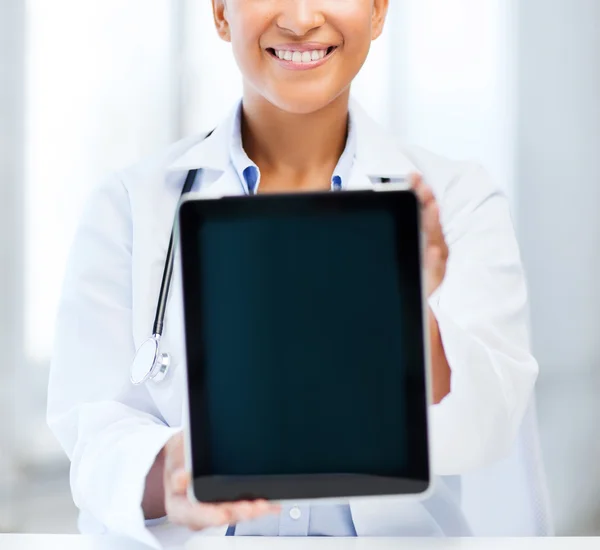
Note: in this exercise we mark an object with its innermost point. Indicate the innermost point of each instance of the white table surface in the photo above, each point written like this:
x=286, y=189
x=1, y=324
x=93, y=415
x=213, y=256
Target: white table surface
x=66, y=542
x=367, y=543
x=78, y=542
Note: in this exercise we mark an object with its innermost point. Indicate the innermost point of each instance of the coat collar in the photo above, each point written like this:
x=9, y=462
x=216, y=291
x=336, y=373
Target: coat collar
x=378, y=153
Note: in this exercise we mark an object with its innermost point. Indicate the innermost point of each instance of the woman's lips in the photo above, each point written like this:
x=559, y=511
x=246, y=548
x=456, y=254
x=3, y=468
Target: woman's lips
x=301, y=58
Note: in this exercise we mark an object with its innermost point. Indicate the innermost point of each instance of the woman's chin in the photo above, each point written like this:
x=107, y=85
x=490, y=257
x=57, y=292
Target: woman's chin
x=303, y=101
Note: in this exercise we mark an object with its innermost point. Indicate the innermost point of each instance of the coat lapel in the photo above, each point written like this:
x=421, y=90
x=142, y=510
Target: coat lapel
x=379, y=154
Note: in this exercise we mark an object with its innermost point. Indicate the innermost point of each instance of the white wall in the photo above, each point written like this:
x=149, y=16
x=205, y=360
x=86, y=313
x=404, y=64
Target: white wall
x=455, y=80
x=101, y=87
x=11, y=156
x=559, y=179
x=558, y=200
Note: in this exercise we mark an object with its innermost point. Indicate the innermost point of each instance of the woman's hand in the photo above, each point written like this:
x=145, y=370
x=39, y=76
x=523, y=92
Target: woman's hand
x=436, y=259
x=436, y=249
x=194, y=515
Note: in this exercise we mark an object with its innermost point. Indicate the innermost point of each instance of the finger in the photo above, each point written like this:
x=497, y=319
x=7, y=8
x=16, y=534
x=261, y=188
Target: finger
x=174, y=454
x=422, y=190
x=436, y=268
x=262, y=507
x=272, y=509
x=241, y=511
x=425, y=195
x=231, y=513
x=265, y=507
x=176, y=482
x=244, y=511
x=414, y=180
x=179, y=482
x=198, y=516
x=436, y=233
x=430, y=217
x=435, y=260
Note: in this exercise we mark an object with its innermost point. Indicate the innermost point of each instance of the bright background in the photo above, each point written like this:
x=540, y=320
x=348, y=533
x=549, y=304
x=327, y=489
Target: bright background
x=90, y=87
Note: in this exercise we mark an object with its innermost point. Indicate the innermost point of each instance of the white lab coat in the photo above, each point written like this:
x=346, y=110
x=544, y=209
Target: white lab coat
x=112, y=431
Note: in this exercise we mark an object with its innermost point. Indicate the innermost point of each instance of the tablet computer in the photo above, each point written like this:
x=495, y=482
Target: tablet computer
x=306, y=346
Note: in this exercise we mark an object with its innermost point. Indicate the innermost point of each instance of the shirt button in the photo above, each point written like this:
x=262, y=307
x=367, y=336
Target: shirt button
x=295, y=513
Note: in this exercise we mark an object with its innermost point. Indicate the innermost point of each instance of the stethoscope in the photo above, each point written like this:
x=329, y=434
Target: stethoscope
x=150, y=363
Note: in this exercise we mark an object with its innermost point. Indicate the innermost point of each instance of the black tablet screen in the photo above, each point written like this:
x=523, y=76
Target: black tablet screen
x=306, y=346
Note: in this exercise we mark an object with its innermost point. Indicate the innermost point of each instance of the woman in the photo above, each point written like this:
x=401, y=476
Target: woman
x=294, y=130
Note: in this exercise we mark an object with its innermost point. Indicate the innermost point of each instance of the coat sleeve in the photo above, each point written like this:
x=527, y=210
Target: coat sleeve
x=111, y=430
x=482, y=312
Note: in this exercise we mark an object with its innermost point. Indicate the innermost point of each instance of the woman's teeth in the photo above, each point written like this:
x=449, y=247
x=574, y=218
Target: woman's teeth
x=301, y=57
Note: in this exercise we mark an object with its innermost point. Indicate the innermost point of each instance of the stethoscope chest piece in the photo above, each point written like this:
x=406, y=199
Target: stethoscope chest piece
x=149, y=363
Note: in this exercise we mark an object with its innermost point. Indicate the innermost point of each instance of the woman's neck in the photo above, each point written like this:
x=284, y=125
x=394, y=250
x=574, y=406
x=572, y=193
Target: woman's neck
x=295, y=149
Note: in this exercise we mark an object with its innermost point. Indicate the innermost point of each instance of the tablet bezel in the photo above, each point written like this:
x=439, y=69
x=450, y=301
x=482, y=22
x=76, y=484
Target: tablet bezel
x=194, y=208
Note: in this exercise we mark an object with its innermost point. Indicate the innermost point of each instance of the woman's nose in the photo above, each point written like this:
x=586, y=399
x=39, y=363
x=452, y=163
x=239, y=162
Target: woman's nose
x=299, y=17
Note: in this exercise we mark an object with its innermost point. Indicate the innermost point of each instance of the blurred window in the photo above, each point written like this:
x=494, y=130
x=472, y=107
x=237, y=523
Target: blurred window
x=101, y=84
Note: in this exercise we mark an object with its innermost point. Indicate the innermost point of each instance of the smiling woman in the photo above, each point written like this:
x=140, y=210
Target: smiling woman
x=108, y=82
x=293, y=131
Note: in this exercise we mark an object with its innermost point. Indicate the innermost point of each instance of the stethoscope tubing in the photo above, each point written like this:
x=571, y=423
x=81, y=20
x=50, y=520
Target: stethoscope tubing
x=165, y=286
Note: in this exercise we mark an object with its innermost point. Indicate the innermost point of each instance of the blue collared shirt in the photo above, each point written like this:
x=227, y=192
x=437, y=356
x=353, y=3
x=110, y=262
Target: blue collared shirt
x=300, y=519
x=249, y=173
